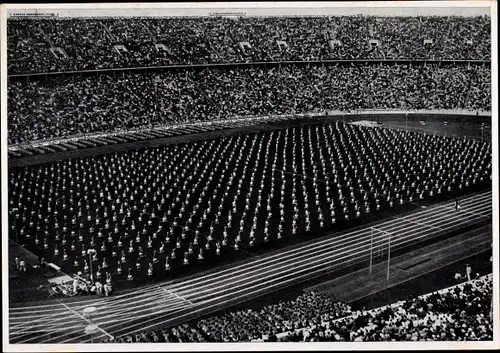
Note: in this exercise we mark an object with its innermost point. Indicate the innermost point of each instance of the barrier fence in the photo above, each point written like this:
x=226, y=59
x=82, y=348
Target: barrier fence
x=254, y=119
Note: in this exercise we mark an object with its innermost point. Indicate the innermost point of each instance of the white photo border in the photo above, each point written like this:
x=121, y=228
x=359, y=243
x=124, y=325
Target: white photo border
x=375, y=7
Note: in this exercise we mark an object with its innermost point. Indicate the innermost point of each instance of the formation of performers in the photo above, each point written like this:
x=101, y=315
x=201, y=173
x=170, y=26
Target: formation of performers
x=148, y=213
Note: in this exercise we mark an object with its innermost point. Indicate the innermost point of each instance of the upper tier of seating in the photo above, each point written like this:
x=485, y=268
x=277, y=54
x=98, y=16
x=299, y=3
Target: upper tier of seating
x=47, y=45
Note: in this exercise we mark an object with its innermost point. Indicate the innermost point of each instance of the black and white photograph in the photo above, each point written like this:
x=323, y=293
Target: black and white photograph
x=251, y=176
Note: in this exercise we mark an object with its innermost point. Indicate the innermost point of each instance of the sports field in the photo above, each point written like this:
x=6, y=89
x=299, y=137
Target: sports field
x=262, y=272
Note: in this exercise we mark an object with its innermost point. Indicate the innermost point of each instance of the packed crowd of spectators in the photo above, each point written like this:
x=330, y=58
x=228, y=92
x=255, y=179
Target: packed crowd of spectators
x=461, y=313
x=246, y=325
x=60, y=107
x=90, y=43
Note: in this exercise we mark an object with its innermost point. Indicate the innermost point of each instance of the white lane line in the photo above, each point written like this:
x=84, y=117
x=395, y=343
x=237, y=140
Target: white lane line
x=44, y=317
x=472, y=213
x=114, y=313
x=122, y=316
x=73, y=329
x=176, y=295
x=53, y=325
x=424, y=224
x=146, y=305
x=32, y=332
x=126, y=302
x=85, y=319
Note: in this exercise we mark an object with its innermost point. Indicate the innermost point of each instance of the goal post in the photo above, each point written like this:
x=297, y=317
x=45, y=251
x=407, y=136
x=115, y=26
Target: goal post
x=380, y=240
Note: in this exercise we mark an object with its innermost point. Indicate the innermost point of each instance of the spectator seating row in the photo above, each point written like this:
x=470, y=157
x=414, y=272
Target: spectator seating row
x=460, y=313
x=75, y=105
x=62, y=44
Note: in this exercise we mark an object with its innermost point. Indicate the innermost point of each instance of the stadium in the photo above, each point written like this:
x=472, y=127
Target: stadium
x=249, y=178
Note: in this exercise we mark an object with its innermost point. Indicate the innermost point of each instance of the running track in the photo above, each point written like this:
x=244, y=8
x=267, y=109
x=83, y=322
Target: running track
x=173, y=303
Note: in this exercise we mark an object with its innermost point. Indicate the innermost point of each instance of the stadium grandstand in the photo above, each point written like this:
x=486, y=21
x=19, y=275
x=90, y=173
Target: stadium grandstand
x=249, y=178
